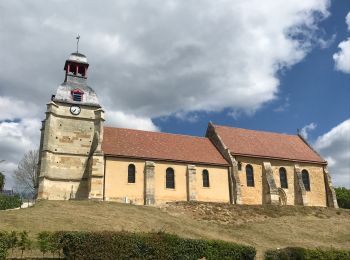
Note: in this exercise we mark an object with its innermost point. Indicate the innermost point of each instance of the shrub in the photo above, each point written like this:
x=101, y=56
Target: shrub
x=343, y=197
x=299, y=253
x=10, y=202
x=24, y=242
x=4, y=245
x=126, y=245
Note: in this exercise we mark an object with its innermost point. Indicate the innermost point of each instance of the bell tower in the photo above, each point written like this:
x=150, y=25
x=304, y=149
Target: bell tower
x=71, y=162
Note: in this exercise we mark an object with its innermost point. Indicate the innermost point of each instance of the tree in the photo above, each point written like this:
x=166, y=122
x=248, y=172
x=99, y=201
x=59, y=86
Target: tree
x=2, y=181
x=26, y=173
x=343, y=197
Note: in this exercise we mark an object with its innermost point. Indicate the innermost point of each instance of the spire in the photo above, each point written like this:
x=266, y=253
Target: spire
x=78, y=38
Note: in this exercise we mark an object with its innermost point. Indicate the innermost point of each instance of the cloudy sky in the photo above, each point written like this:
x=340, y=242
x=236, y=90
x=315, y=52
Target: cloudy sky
x=174, y=65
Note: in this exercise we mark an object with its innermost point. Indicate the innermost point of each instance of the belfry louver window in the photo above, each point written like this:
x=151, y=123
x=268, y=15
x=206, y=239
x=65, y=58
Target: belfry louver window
x=77, y=95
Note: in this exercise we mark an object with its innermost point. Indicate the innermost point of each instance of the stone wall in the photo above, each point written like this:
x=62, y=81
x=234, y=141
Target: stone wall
x=294, y=194
x=70, y=153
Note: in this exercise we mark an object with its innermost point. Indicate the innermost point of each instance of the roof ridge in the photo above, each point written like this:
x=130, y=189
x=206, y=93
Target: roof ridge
x=259, y=131
x=155, y=132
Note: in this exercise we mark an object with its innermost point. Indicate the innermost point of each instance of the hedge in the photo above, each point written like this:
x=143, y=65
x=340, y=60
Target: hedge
x=126, y=245
x=299, y=253
x=10, y=202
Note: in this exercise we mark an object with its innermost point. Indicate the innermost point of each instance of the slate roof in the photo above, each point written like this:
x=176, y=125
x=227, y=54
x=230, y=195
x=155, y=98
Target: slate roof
x=120, y=142
x=253, y=143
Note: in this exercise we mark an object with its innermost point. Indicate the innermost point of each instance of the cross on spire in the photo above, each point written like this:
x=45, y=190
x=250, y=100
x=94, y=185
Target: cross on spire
x=78, y=37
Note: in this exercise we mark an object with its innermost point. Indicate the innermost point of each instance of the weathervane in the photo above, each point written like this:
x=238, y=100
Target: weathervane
x=78, y=37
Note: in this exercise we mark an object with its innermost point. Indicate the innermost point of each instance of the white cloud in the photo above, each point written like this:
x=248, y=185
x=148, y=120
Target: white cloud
x=334, y=146
x=342, y=57
x=306, y=129
x=120, y=119
x=16, y=139
x=11, y=109
x=347, y=20
x=156, y=58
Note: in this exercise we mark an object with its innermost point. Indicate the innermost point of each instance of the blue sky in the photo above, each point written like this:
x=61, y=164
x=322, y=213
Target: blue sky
x=173, y=66
x=310, y=91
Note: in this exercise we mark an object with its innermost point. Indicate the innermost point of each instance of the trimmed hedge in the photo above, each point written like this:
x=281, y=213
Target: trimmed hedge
x=299, y=253
x=126, y=245
x=10, y=202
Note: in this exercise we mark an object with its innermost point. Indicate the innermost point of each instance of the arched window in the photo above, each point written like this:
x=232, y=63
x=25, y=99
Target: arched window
x=131, y=173
x=306, y=179
x=283, y=178
x=205, y=175
x=250, y=175
x=170, y=178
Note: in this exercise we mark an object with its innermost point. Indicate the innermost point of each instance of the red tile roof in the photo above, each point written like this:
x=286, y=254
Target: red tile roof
x=267, y=144
x=122, y=142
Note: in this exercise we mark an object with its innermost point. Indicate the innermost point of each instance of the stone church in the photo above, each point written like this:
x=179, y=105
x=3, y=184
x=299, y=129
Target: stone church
x=81, y=158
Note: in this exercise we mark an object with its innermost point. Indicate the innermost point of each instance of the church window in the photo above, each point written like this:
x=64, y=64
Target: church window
x=306, y=179
x=250, y=175
x=131, y=173
x=77, y=95
x=283, y=178
x=170, y=178
x=205, y=176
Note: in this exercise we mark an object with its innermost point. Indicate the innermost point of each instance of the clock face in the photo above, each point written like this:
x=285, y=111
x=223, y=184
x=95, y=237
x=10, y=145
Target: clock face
x=75, y=110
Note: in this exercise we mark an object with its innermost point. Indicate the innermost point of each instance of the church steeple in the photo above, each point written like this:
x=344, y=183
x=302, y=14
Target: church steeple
x=76, y=66
x=74, y=89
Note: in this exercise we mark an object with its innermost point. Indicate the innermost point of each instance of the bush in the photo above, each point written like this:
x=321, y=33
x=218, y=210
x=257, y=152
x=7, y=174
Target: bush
x=126, y=245
x=4, y=244
x=299, y=253
x=10, y=202
x=343, y=197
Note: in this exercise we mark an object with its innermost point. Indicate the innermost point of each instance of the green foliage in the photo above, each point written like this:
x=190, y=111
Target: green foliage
x=299, y=253
x=4, y=245
x=10, y=202
x=12, y=240
x=2, y=181
x=343, y=197
x=126, y=245
x=24, y=242
x=43, y=240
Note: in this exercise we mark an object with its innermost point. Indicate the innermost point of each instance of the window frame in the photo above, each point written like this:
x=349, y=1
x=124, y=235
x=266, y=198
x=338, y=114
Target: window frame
x=284, y=180
x=250, y=182
x=131, y=173
x=170, y=183
x=205, y=179
x=305, y=176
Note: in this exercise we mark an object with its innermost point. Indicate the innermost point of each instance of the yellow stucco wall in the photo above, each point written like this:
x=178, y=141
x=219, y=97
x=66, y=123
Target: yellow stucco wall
x=253, y=195
x=218, y=190
x=117, y=187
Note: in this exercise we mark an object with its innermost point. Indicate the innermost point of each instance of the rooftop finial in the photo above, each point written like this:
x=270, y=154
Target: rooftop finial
x=78, y=37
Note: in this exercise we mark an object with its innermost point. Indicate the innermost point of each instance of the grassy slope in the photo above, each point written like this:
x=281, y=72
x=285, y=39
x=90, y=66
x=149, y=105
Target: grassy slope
x=263, y=227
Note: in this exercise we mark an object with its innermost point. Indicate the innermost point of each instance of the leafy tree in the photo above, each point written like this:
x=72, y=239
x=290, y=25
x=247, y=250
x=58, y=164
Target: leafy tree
x=26, y=173
x=343, y=197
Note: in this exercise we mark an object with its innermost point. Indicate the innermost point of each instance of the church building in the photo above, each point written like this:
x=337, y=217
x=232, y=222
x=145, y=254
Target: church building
x=81, y=158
